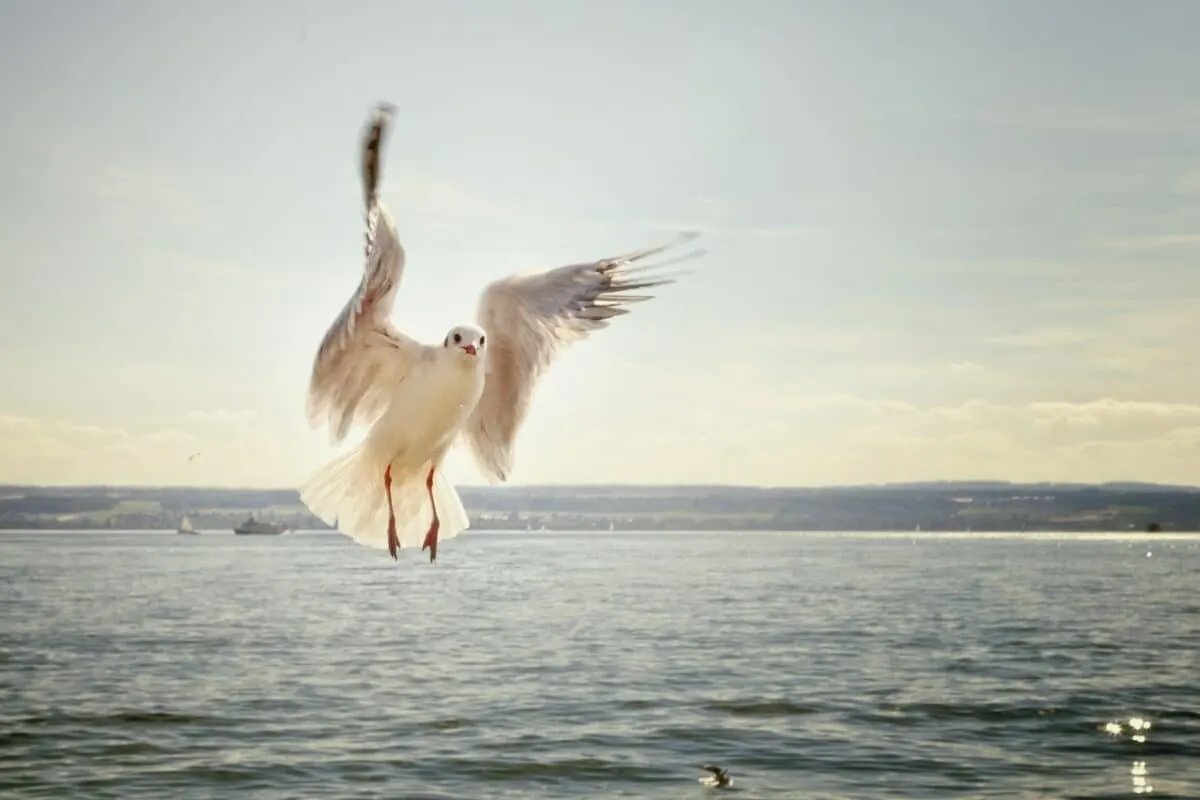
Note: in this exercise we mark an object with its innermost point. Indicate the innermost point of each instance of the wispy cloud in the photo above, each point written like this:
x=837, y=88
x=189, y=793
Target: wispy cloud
x=125, y=190
x=50, y=449
x=14, y=424
x=762, y=233
x=143, y=191
x=223, y=417
x=66, y=452
x=1156, y=242
x=1102, y=411
x=1044, y=440
x=1106, y=119
x=1043, y=338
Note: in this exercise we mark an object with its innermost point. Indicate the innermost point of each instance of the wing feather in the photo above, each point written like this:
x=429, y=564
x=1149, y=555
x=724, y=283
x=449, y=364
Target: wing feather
x=362, y=355
x=528, y=318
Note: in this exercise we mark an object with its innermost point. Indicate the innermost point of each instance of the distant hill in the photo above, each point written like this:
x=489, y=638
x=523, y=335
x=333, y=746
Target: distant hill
x=931, y=506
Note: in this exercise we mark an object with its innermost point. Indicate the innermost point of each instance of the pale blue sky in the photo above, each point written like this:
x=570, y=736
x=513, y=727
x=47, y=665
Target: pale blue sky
x=948, y=239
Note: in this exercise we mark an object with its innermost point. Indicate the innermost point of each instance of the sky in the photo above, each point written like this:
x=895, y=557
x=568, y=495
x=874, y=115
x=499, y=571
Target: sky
x=947, y=240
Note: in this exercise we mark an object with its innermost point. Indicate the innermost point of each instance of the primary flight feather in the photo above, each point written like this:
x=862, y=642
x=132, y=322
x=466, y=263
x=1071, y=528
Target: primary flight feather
x=418, y=399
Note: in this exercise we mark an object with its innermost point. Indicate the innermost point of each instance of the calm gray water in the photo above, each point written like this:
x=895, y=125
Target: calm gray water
x=598, y=665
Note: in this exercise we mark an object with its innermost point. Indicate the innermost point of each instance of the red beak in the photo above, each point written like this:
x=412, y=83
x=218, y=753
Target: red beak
x=470, y=348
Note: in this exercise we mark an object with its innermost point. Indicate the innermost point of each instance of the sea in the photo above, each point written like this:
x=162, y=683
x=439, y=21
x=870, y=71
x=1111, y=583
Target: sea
x=600, y=665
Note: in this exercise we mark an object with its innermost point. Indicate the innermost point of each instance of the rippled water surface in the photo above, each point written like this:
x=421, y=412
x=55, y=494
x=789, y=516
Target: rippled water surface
x=599, y=665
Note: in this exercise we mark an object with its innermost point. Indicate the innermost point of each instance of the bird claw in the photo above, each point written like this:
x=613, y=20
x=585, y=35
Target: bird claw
x=431, y=540
x=393, y=541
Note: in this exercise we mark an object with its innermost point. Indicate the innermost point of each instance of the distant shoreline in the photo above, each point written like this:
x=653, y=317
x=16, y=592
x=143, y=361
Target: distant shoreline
x=1127, y=535
x=967, y=506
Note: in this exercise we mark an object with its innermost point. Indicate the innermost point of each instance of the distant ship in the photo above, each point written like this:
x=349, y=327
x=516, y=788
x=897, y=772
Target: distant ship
x=185, y=527
x=253, y=527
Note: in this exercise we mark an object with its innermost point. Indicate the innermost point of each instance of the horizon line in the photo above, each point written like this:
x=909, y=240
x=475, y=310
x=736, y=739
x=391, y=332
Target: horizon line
x=734, y=486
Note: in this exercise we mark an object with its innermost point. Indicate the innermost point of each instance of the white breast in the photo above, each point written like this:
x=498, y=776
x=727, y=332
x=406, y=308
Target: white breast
x=428, y=409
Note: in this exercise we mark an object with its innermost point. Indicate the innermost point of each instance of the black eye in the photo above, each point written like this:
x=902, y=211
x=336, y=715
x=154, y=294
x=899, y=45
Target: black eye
x=481, y=340
x=457, y=338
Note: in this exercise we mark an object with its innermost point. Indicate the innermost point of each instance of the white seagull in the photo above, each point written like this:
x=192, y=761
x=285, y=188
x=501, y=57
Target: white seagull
x=419, y=399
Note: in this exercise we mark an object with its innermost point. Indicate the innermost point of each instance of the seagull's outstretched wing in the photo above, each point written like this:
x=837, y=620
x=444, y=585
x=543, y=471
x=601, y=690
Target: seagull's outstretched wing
x=362, y=354
x=526, y=318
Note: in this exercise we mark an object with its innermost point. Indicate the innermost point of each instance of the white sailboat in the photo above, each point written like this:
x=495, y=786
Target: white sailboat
x=185, y=527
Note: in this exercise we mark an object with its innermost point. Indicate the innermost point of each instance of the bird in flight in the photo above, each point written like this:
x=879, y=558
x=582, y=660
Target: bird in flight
x=418, y=399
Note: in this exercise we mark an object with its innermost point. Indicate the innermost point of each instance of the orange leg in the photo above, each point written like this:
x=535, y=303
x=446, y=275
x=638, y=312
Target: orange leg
x=393, y=542
x=431, y=537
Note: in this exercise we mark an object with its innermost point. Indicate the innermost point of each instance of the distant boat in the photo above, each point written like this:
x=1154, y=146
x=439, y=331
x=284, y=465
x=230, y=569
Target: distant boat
x=185, y=527
x=252, y=527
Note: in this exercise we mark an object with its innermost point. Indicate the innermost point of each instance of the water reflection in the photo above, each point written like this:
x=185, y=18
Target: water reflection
x=1138, y=727
x=1141, y=778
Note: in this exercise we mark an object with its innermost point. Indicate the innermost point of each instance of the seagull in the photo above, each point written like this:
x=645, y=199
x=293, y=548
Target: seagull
x=474, y=388
x=720, y=778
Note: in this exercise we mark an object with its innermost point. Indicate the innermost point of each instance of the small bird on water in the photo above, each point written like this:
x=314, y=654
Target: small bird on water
x=475, y=387
x=720, y=778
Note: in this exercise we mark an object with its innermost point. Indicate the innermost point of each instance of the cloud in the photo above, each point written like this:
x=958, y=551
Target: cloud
x=1116, y=348
x=130, y=192
x=438, y=197
x=737, y=434
x=759, y=232
x=1091, y=410
x=1097, y=412
x=62, y=452
x=744, y=436
x=964, y=367
x=138, y=189
x=222, y=417
x=943, y=374
x=1095, y=119
x=41, y=450
x=1151, y=242
x=1038, y=423
x=218, y=270
x=16, y=426
x=444, y=204
x=1043, y=337
x=1104, y=438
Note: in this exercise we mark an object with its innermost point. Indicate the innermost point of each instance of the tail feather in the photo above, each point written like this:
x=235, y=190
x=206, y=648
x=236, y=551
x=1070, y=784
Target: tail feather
x=348, y=494
x=450, y=508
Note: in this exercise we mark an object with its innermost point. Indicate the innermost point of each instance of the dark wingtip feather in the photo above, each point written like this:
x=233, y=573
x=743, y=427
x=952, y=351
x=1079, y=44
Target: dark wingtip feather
x=377, y=129
x=623, y=261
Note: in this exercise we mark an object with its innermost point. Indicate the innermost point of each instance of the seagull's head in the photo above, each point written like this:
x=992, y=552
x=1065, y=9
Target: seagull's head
x=465, y=340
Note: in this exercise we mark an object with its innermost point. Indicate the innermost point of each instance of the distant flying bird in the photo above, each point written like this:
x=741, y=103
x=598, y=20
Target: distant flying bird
x=720, y=778
x=192, y=457
x=418, y=399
